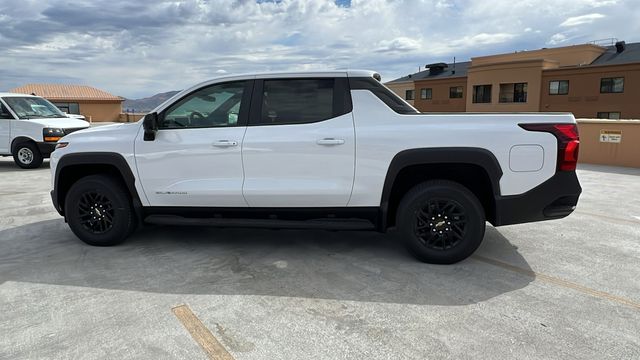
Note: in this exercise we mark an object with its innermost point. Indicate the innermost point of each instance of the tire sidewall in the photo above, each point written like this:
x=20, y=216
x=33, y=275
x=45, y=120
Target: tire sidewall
x=37, y=156
x=123, y=214
x=416, y=198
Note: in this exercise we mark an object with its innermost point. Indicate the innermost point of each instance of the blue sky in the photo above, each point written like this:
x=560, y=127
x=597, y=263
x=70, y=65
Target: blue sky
x=139, y=48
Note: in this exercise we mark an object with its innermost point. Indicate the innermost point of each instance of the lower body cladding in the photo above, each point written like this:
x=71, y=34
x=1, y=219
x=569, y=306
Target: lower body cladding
x=553, y=199
x=361, y=218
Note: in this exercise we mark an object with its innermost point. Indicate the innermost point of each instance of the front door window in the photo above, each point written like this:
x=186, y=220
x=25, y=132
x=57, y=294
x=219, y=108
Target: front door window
x=213, y=106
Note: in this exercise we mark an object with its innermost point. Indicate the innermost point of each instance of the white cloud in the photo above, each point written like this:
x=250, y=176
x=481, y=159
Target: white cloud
x=136, y=49
x=484, y=39
x=601, y=3
x=400, y=44
x=582, y=19
x=557, y=39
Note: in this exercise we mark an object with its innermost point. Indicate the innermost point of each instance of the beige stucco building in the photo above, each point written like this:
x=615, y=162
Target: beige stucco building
x=94, y=104
x=588, y=80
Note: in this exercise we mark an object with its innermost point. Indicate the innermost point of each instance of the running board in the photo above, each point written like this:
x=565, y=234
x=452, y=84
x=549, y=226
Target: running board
x=322, y=224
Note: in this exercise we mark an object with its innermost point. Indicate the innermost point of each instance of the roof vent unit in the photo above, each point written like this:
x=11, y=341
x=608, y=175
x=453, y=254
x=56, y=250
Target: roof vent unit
x=436, y=68
x=620, y=46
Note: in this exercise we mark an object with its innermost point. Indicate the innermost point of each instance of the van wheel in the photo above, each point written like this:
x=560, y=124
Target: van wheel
x=99, y=211
x=27, y=156
x=441, y=222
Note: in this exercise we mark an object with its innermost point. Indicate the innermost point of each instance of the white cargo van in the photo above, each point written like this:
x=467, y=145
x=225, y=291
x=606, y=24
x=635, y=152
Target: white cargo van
x=30, y=126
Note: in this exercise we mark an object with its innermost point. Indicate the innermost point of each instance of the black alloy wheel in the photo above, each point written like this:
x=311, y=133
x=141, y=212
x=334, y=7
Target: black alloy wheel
x=441, y=222
x=99, y=211
x=95, y=212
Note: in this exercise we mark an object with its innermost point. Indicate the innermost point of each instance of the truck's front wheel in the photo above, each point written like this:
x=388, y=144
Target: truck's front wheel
x=27, y=156
x=99, y=211
x=441, y=222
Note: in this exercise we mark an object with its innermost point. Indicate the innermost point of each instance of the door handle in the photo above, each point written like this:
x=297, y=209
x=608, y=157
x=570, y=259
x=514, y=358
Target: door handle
x=224, y=143
x=330, y=141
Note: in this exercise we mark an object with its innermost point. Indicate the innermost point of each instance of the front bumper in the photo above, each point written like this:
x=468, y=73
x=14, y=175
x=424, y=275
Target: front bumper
x=553, y=199
x=46, y=148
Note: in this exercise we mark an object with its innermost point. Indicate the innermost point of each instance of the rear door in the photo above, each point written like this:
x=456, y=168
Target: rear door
x=299, y=147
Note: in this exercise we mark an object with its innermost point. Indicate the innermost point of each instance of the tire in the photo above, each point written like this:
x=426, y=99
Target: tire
x=27, y=155
x=441, y=222
x=99, y=211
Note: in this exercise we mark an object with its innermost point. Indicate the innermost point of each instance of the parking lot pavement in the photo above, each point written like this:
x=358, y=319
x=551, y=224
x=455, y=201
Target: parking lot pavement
x=556, y=290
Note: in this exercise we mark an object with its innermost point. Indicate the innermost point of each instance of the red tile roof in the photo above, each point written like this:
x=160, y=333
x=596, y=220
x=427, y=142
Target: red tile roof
x=65, y=92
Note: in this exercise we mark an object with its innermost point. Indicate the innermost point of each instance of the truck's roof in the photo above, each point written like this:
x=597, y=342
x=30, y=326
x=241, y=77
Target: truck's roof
x=290, y=74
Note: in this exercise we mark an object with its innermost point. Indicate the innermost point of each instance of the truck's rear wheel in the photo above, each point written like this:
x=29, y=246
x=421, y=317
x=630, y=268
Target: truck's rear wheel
x=441, y=222
x=99, y=211
x=27, y=155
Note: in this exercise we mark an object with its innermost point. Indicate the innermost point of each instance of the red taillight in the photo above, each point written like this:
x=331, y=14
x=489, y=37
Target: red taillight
x=568, y=142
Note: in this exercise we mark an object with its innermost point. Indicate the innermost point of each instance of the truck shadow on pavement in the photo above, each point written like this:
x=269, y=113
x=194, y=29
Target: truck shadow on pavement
x=358, y=266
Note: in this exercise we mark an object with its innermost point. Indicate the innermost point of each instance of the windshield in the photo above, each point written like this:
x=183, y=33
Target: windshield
x=33, y=107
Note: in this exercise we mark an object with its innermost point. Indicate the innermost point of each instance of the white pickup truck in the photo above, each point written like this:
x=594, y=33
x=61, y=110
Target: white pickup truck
x=30, y=126
x=327, y=150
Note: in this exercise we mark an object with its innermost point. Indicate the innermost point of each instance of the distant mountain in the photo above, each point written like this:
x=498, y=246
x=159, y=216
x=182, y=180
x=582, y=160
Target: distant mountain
x=146, y=104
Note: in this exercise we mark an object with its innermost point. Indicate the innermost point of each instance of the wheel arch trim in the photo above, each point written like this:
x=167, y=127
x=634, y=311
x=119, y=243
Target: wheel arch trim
x=96, y=158
x=433, y=156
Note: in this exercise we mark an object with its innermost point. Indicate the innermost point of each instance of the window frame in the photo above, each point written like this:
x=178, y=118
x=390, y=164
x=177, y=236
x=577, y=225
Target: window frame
x=484, y=86
x=8, y=111
x=390, y=98
x=513, y=86
x=67, y=105
x=342, y=104
x=243, y=114
x=608, y=115
x=461, y=92
x=412, y=92
x=430, y=93
x=559, y=93
x=612, y=85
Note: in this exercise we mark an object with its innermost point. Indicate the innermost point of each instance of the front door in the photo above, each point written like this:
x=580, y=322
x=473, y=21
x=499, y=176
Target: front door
x=195, y=159
x=5, y=129
x=299, y=148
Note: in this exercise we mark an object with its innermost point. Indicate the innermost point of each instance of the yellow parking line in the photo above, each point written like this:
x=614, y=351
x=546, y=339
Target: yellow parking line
x=201, y=334
x=559, y=282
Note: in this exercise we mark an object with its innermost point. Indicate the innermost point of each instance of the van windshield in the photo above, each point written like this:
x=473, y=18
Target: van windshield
x=32, y=107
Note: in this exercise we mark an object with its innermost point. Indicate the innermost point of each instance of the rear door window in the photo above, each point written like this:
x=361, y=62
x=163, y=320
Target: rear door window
x=301, y=101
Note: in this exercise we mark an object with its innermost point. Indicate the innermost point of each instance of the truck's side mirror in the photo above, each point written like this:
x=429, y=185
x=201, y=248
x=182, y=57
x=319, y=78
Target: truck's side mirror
x=150, y=125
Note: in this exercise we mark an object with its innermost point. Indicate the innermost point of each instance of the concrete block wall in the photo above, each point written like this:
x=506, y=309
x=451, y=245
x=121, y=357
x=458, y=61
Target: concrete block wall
x=594, y=151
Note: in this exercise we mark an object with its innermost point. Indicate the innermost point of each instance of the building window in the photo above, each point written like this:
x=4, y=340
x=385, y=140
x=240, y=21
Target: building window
x=409, y=94
x=513, y=93
x=608, y=115
x=69, y=108
x=481, y=94
x=425, y=94
x=559, y=87
x=611, y=85
x=455, y=92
